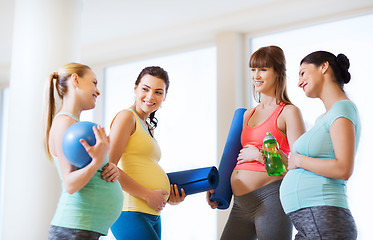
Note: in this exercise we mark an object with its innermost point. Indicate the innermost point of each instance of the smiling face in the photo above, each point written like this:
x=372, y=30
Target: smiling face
x=86, y=87
x=150, y=93
x=310, y=79
x=264, y=80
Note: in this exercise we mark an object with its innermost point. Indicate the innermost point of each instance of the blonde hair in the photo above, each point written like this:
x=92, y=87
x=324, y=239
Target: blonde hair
x=61, y=88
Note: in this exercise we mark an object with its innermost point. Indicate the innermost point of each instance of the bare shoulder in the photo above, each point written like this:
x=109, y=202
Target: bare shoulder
x=61, y=123
x=247, y=113
x=123, y=122
x=57, y=131
x=124, y=117
x=293, y=117
x=122, y=127
x=291, y=114
x=291, y=110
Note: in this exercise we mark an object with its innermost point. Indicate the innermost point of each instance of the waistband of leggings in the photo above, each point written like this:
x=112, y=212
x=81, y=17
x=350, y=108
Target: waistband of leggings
x=261, y=193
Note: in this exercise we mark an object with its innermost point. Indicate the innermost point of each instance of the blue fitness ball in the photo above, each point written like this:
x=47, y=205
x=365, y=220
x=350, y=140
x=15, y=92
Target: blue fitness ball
x=73, y=149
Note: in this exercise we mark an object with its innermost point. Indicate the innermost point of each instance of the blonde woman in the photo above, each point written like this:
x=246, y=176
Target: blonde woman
x=89, y=203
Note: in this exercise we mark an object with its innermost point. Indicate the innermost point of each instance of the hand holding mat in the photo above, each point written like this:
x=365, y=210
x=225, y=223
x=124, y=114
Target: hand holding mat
x=195, y=180
x=223, y=193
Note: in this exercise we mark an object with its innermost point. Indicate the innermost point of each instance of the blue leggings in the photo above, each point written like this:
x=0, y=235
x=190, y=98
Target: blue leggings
x=137, y=226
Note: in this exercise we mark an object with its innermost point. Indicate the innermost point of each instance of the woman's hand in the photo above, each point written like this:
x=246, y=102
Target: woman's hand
x=110, y=173
x=156, y=200
x=293, y=160
x=98, y=151
x=250, y=153
x=175, y=197
x=284, y=159
x=213, y=204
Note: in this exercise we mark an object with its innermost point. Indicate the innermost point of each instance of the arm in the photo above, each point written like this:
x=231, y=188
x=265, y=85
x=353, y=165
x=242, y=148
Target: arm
x=294, y=124
x=72, y=178
x=122, y=128
x=342, y=133
x=294, y=127
x=249, y=152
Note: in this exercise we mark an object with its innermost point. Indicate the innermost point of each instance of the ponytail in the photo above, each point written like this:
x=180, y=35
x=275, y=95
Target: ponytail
x=61, y=77
x=152, y=121
x=50, y=109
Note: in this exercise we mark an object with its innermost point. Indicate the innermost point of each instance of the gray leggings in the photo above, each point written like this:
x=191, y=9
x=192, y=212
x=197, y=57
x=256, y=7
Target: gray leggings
x=324, y=222
x=62, y=233
x=258, y=215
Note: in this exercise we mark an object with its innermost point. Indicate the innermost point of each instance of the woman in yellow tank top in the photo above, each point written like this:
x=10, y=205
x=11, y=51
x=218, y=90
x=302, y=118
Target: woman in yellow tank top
x=136, y=152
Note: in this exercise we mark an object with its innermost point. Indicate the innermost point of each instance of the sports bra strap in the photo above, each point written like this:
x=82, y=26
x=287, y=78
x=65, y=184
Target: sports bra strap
x=67, y=114
x=137, y=116
x=278, y=110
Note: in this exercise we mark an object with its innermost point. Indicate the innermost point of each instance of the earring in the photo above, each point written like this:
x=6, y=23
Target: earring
x=257, y=96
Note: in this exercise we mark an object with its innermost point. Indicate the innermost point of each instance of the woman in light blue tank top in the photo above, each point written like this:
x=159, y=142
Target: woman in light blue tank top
x=313, y=192
x=90, y=201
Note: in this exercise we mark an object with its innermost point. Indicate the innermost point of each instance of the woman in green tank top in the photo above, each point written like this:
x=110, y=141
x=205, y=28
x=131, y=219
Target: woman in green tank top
x=90, y=202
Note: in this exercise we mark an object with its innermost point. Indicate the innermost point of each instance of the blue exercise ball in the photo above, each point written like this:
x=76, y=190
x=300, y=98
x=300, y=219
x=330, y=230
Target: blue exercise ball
x=73, y=149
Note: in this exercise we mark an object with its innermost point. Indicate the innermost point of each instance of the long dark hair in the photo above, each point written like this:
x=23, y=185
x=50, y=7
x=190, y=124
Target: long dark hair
x=157, y=72
x=272, y=56
x=339, y=64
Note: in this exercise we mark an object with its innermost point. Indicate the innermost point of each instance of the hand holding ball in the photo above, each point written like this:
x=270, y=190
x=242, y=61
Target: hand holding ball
x=71, y=146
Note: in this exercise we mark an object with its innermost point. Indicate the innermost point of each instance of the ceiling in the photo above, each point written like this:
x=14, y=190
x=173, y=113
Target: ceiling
x=119, y=29
x=131, y=17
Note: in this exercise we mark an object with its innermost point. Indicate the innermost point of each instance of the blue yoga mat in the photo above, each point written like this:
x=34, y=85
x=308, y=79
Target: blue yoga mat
x=223, y=193
x=195, y=180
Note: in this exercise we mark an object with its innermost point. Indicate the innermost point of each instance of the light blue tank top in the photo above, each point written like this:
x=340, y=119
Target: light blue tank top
x=94, y=208
x=301, y=188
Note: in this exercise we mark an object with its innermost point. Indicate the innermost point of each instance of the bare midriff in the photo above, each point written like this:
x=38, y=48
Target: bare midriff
x=245, y=181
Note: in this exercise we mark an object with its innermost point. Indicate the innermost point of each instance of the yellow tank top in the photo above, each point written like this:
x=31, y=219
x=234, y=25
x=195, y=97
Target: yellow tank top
x=140, y=161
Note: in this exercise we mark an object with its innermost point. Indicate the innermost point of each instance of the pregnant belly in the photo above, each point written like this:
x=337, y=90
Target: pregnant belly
x=152, y=177
x=245, y=181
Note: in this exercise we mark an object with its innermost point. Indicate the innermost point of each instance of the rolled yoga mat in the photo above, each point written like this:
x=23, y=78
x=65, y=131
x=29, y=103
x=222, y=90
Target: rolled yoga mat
x=223, y=193
x=195, y=180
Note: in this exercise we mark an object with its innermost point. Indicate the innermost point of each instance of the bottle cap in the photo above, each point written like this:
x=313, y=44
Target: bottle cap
x=269, y=136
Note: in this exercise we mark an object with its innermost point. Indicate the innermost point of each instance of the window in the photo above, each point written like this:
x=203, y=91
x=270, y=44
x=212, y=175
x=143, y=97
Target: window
x=354, y=38
x=185, y=132
x=4, y=97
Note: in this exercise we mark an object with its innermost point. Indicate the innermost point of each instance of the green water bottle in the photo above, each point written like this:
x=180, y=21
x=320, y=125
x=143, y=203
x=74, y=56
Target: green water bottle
x=273, y=160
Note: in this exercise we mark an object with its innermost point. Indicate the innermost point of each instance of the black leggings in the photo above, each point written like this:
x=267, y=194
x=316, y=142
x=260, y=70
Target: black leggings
x=258, y=215
x=324, y=222
x=62, y=233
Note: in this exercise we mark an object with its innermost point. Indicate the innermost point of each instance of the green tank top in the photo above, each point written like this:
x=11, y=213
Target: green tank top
x=94, y=208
